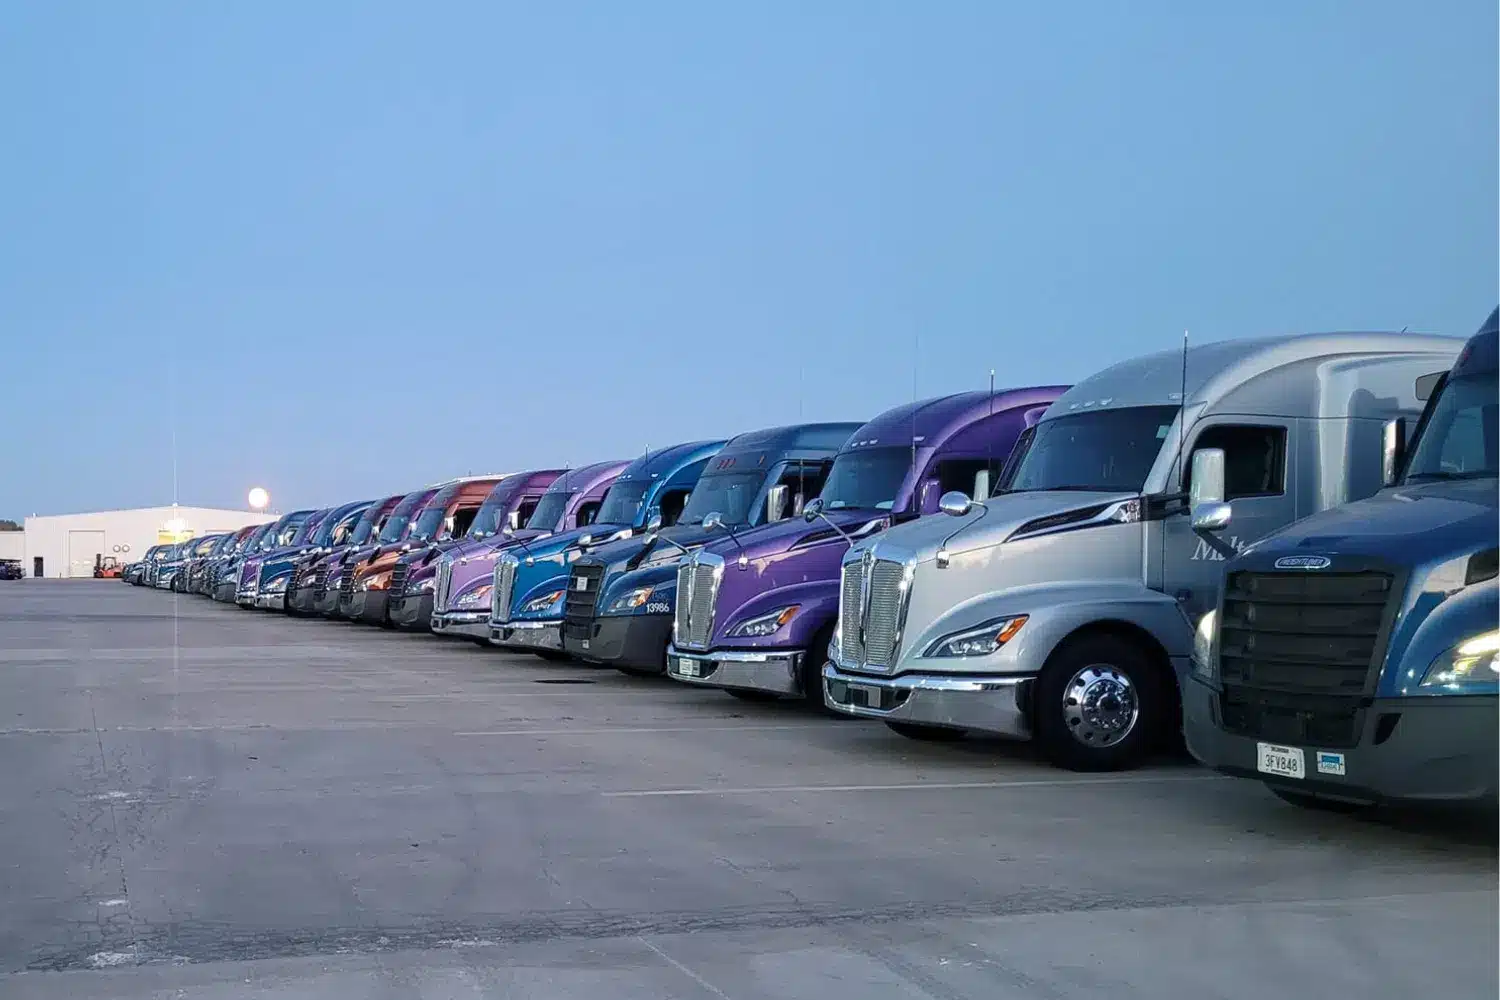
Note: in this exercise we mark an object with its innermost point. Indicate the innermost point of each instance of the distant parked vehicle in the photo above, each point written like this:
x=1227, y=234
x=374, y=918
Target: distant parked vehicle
x=279, y=569
x=315, y=587
x=289, y=531
x=10, y=569
x=227, y=580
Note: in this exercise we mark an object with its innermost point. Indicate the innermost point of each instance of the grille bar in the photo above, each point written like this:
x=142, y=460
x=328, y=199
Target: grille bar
x=503, y=588
x=583, y=595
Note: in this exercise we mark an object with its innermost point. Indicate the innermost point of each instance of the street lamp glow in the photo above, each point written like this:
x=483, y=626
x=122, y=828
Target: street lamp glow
x=259, y=499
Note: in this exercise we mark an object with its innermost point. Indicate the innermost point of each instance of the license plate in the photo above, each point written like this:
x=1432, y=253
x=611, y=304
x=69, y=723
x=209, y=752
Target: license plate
x=687, y=668
x=866, y=697
x=1284, y=762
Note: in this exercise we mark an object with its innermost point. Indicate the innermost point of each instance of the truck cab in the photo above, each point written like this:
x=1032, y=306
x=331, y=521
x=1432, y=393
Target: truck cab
x=755, y=612
x=461, y=576
x=620, y=598
x=1352, y=657
x=277, y=570
x=199, y=554
x=226, y=572
x=520, y=604
x=508, y=506
x=1062, y=608
x=354, y=582
x=315, y=590
x=289, y=531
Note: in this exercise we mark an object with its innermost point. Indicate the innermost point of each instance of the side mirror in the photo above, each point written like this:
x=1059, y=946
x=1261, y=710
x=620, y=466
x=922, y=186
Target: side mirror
x=928, y=501
x=586, y=541
x=776, y=503
x=513, y=520
x=955, y=504
x=812, y=510
x=1392, y=450
x=713, y=521
x=1208, y=511
x=507, y=531
x=653, y=521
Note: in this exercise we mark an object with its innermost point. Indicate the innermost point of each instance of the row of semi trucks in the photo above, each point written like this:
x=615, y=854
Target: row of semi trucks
x=1282, y=549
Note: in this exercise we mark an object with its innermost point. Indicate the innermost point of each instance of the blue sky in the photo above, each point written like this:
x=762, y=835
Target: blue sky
x=345, y=248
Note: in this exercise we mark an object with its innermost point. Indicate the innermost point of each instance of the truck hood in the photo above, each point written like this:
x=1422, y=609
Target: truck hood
x=1405, y=524
x=771, y=540
x=920, y=540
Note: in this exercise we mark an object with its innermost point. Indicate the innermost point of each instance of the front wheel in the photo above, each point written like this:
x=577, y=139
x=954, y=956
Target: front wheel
x=927, y=734
x=1305, y=801
x=1098, y=704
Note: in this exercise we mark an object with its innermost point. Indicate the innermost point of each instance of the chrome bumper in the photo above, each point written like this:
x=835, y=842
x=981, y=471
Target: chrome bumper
x=527, y=635
x=468, y=624
x=742, y=670
x=982, y=703
x=271, y=602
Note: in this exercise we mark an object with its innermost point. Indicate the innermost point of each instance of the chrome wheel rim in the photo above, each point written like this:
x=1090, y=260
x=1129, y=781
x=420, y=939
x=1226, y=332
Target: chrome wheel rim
x=1100, y=706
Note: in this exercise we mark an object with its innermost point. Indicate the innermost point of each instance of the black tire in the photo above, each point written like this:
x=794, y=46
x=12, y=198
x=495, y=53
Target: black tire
x=927, y=734
x=760, y=697
x=812, y=673
x=1117, y=672
x=642, y=671
x=1315, y=802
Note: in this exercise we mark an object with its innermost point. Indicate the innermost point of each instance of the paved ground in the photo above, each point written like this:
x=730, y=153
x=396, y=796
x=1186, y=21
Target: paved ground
x=197, y=801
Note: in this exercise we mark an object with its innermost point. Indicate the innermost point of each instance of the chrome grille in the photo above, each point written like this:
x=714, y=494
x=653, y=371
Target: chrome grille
x=882, y=622
x=697, y=593
x=444, y=582
x=501, y=588
x=851, y=606
x=346, y=583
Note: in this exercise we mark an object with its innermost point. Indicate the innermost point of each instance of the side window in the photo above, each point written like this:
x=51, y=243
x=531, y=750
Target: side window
x=671, y=505
x=527, y=508
x=587, y=512
x=803, y=481
x=973, y=477
x=461, y=519
x=1254, y=459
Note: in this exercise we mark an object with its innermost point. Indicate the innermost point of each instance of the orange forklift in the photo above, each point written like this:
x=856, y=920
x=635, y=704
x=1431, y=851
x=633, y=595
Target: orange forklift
x=106, y=567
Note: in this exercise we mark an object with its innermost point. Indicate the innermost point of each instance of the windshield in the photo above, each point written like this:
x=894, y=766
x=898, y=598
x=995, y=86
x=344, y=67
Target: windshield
x=486, y=520
x=729, y=493
x=429, y=523
x=395, y=526
x=866, y=479
x=550, y=510
x=1459, y=437
x=1105, y=451
x=366, y=525
x=622, y=501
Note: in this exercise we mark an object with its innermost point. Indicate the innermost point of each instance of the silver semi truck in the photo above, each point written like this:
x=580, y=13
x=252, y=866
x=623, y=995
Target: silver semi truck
x=1062, y=608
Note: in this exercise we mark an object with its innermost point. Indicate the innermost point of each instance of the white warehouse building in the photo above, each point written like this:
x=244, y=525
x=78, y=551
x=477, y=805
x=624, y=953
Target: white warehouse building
x=69, y=545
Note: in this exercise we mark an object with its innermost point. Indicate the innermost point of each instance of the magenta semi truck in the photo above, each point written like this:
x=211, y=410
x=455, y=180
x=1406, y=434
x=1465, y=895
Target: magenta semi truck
x=461, y=576
x=756, y=610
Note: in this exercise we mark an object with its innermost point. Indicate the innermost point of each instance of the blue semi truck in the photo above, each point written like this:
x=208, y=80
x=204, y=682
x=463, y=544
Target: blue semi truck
x=1353, y=656
x=620, y=598
x=529, y=582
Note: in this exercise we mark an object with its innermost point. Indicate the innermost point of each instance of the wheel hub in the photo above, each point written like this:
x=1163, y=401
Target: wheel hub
x=1100, y=705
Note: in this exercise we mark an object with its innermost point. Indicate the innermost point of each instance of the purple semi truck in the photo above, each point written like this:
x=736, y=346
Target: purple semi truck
x=756, y=610
x=461, y=590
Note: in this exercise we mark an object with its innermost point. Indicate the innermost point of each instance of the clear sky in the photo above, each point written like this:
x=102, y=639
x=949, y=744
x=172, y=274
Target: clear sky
x=347, y=248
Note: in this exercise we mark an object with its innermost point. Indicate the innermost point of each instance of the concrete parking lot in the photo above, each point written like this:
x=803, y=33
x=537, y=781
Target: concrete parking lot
x=200, y=801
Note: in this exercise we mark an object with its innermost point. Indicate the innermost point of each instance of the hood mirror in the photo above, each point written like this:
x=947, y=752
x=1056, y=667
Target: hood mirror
x=713, y=521
x=1392, y=450
x=812, y=510
x=955, y=503
x=653, y=522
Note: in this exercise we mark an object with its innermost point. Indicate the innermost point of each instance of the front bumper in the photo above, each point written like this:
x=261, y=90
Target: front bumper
x=986, y=704
x=367, y=606
x=271, y=602
x=412, y=611
x=775, y=672
x=303, y=599
x=527, y=635
x=624, y=641
x=462, y=624
x=246, y=598
x=1439, y=750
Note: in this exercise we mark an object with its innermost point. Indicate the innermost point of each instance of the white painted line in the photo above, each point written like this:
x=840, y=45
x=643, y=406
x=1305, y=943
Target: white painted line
x=918, y=786
x=612, y=730
x=704, y=983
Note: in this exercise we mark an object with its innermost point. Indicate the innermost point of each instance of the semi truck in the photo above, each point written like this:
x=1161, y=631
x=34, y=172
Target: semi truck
x=224, y=576
x=620, y=597
x=278, y=568
x=315, y=588
x=290, y=531
x=1062, y=608
x=518, y=604
x=572, y=501
x=1352, y=657
x=755, y=613
x=398, y=524
x=510, y=505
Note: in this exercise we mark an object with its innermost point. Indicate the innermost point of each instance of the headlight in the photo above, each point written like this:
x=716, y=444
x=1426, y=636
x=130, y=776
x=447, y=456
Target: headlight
x=978, y=641
x=546, y=602
x=422, y=586
x=275, y=585
x=479, y=595
x=1205, y=645
x=762, y=625
x=1470, y=664
x=376, y=581
x=630, y=600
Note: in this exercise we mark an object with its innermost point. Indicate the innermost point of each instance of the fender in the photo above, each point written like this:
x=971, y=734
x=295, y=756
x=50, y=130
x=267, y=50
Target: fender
x=1054, y=611
x=819, y=600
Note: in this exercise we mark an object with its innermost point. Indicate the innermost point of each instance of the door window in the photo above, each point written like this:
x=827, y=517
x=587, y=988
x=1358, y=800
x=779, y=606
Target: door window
x=1254, y=459
x=803, y=481
x=973, y=477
